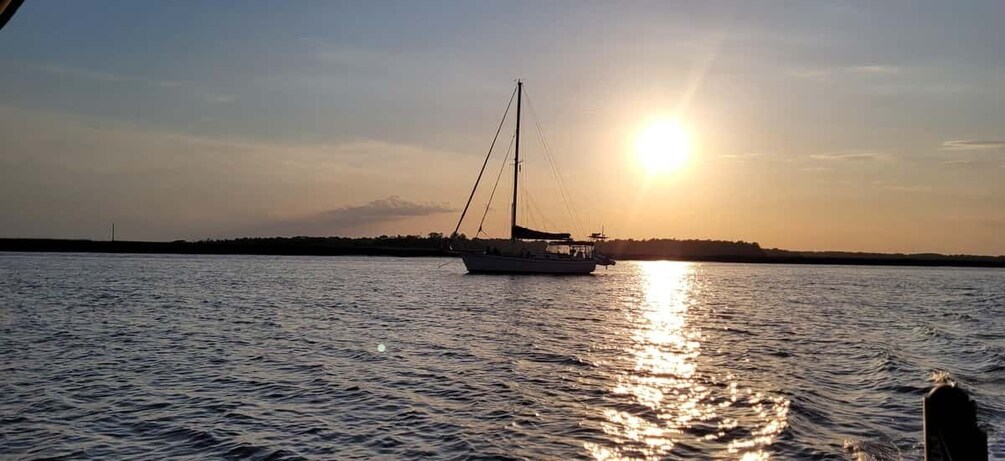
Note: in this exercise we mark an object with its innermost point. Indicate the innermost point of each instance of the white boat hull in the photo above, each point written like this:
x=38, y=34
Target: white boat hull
x=479, y=263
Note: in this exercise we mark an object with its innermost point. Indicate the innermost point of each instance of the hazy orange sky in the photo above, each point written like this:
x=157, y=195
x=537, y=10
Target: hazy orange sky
x=826, y=125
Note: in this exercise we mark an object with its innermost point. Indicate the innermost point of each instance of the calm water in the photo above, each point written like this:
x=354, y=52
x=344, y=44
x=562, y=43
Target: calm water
x=106, y=356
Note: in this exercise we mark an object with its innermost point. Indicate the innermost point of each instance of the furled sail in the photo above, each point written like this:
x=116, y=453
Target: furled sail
x=531, y=234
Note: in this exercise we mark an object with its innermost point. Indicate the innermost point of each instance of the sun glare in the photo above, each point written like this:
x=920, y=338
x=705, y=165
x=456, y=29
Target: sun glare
x=663, y=146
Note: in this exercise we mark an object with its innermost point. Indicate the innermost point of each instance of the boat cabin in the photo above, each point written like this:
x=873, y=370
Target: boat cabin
x=570, y=249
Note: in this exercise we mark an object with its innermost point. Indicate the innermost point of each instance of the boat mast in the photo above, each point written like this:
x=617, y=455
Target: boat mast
x=516, y=161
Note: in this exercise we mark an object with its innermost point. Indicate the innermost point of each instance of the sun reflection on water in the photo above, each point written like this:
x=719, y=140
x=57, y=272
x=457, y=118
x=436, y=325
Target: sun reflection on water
x=671, y=402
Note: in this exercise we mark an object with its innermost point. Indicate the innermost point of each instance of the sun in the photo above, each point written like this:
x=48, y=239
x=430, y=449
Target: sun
x=663, y=146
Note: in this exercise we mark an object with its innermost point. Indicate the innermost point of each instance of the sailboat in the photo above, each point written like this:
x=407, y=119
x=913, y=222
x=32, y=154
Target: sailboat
x=562, y=254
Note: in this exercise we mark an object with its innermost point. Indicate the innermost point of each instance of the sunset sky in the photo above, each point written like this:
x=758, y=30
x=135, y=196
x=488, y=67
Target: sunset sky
x=860, y=126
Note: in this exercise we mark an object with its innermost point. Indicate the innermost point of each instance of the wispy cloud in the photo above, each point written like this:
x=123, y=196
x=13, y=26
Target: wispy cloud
x=168, y=185
x=80, y=73
x=759, y=157
x=830, y=74
x=97, y=75
x=742, y=156
x=959, y=161
x=393, y=207
x=884, y=79
x=218, y=98
x=908, y=188
x=972, y=144
x=109, y=77
x=897, y=187
x=853, y=155
x=354, y=218
x=874, y=69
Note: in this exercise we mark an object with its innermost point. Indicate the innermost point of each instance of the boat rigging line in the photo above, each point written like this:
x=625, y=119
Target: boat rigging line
x=496, y=185
x=482, y=171
x=554, y=169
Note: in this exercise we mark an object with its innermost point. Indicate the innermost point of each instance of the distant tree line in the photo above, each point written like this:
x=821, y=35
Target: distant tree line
x=436, y=244
x=675, y=249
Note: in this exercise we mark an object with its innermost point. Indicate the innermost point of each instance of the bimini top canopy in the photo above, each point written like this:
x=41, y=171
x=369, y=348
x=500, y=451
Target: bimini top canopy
x=531, y=234
x=572, y=243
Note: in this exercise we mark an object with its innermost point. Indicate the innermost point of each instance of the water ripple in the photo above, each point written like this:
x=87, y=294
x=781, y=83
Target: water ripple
x=149, y=357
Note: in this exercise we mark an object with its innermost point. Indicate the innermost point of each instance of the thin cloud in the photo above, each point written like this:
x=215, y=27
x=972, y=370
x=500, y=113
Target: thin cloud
x=830, y=74
x=960, y=161
x=874, y=69
x=218, y=98
x=169, y=185
x=90, y=74
x=390, y=208
x=109, y=77
x=972, y=144
x=908, y=188
x=852, y=156
x=812, y=74
x=353, y=218
x=903, y=187
x=883, y=79
x=742, y=155
x=169, y=83
x=81, y=73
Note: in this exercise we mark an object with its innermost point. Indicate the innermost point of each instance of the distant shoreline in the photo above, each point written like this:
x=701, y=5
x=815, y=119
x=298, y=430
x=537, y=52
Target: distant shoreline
x=315, y=247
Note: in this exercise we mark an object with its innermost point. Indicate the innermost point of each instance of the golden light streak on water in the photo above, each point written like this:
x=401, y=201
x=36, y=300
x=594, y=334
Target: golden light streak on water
x=666, y=380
